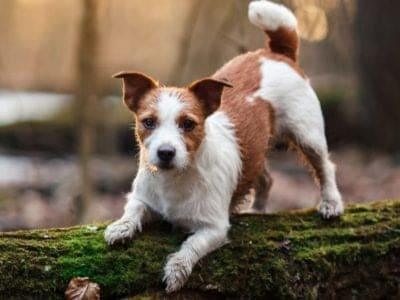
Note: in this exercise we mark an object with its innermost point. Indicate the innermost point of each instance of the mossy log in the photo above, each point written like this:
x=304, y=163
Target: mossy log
x=286, y=255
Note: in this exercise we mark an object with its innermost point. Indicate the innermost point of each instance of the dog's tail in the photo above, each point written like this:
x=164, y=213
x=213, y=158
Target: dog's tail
x=279, y=23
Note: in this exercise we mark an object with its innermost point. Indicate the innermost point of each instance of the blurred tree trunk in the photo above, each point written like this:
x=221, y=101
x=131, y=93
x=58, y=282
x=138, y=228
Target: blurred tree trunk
x=184, y=49
x=86, y=99
x=205, y=49
x=7, y=9
x=377, y=32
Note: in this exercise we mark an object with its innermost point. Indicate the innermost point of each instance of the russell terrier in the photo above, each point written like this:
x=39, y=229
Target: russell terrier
x=203, y=147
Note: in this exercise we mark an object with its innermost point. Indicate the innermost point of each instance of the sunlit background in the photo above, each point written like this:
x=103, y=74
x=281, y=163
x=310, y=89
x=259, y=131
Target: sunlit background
x=67, y=151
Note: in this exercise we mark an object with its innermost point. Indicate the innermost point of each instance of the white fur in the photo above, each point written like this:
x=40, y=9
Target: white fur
x=295, y=103
x=331, y=204
x=168, y=106
x=298, y=114
x=197, y=198
x=270, y=16
x=124, y=229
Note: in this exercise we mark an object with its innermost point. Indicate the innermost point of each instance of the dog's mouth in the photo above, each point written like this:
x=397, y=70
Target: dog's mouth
x=165, y=166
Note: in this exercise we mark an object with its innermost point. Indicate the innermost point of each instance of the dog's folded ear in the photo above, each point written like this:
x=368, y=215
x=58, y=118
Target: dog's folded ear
x=209, y=92
x=135, y=86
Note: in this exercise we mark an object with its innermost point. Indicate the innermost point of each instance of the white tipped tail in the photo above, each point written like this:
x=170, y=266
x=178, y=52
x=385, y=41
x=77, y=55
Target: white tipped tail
x=280, y=25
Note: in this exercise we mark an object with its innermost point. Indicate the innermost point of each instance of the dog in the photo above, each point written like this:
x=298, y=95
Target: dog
x=203, y=147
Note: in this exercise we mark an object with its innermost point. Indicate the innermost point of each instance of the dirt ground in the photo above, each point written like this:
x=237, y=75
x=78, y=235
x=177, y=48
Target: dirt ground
x=47, y=195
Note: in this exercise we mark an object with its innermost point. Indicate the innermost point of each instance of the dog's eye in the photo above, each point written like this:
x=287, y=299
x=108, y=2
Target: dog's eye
x=149, y=123
x=188, y=125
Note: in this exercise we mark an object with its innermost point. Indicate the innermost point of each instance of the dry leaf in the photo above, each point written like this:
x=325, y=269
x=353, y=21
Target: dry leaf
x=81, y=288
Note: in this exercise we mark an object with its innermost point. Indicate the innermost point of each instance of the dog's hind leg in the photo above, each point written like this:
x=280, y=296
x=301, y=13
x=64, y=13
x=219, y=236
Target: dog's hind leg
x=331, y=204
x=298, y=116
x=264, y=183
x=308, y=137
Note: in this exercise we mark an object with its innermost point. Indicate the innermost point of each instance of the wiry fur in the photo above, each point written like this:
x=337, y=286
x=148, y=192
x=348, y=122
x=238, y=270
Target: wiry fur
x=217, y=162
x=253, y=121
x=270, y=16
x=279, y=24
x=168, y=107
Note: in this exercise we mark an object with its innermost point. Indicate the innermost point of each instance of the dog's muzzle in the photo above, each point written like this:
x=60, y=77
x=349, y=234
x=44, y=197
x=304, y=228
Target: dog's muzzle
x=166, y=154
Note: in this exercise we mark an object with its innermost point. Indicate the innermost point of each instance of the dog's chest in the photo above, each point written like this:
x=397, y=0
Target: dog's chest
x=178, y=202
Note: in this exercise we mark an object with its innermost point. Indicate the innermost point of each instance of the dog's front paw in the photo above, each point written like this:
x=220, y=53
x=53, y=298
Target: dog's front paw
x=176, y=271
x=119, y=231
x=331, y=208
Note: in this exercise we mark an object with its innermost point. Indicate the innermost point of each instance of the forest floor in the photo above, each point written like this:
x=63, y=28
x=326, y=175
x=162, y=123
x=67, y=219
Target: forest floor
x=39, y=192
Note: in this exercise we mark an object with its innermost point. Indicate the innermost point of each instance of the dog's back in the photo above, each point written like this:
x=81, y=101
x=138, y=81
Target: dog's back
x=252, y=116
x=252, y=121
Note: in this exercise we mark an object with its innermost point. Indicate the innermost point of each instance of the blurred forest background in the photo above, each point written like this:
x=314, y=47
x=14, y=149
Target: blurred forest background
x=67, y=152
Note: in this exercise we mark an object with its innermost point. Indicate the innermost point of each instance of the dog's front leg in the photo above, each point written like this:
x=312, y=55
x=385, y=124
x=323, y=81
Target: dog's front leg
x=179, y=265
x=136, y=213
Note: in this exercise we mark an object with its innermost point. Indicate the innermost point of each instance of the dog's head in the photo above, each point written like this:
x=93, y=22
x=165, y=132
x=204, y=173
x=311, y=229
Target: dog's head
x=170, y=121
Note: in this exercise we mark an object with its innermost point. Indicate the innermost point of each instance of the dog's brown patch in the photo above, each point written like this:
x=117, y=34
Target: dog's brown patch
x=313, y=160
x=194, y=111
x=145, y=109
x=135, y=87
x=284, y=41
x=208, y=92
x=252, y=119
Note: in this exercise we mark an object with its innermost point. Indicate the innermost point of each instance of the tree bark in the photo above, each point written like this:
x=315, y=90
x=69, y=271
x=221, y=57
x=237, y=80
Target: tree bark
x=286, y=255
x=377, y=32
x=86, y=99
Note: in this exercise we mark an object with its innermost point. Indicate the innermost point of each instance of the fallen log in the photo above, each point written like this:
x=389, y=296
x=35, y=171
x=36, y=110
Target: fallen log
x=285, y=255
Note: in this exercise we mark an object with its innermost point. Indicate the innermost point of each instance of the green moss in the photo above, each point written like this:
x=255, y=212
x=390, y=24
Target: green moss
x=285, y=255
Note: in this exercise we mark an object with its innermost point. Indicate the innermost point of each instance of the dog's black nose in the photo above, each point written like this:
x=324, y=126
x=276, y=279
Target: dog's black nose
x=166, y=153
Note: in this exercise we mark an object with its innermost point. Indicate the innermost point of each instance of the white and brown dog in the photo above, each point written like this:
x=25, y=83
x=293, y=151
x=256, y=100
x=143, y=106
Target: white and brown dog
x=202, y=148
